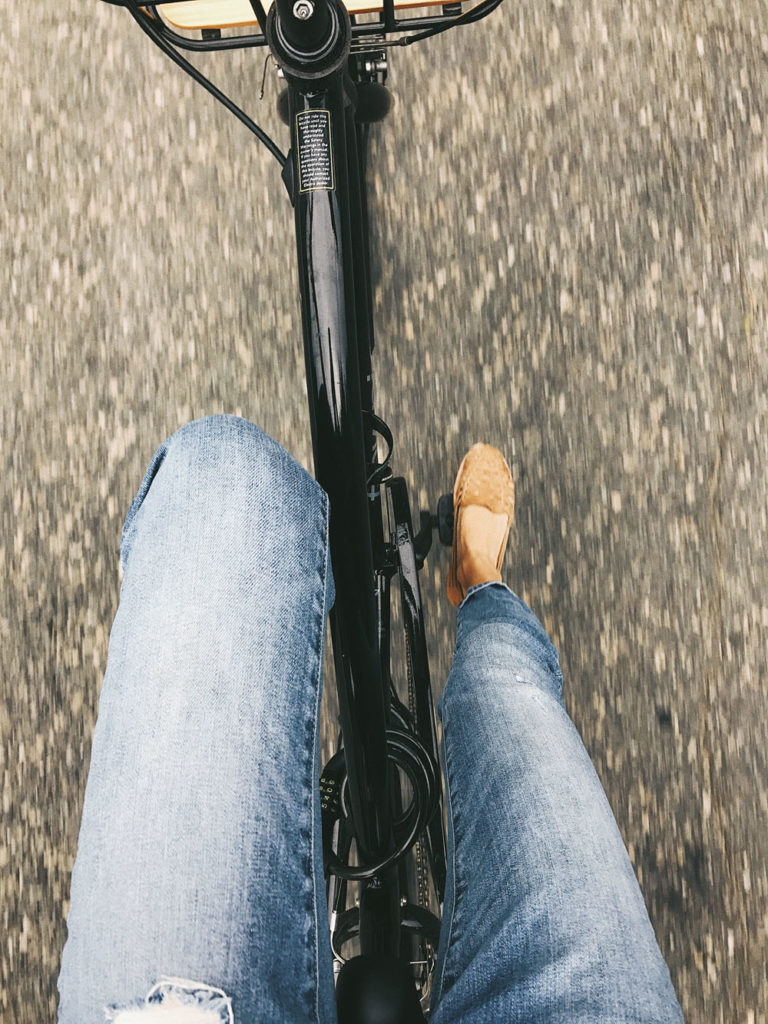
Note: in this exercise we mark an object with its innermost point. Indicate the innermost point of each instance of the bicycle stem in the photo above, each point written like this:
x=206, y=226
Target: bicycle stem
x=306, y=25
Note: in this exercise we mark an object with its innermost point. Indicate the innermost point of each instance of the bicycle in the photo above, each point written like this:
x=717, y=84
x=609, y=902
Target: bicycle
x=334, y=64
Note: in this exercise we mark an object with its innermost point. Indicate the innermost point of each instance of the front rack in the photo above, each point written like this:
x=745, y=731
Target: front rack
x=234, y=17
x=367, y=37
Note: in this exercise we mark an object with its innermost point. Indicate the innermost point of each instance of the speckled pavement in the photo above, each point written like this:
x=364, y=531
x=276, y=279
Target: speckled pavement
x=571, y=257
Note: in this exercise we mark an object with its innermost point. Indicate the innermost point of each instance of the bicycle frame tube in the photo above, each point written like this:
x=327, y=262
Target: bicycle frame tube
x=328, y=231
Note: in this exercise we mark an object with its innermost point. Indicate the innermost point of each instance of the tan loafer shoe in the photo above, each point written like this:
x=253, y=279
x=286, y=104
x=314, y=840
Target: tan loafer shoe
x=484, y=480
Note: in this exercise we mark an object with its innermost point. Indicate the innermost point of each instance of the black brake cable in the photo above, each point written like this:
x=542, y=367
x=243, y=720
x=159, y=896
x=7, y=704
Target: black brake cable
x=475, y=13
x=144, y=21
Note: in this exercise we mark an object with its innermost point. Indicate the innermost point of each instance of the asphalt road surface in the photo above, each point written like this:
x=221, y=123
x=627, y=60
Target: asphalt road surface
x=570, y=234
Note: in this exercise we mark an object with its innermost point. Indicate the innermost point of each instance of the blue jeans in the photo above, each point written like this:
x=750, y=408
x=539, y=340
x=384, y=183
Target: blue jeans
x=198, y=881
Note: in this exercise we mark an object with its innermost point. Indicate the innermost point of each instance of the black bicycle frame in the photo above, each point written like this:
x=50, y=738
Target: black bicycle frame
x=328, y=196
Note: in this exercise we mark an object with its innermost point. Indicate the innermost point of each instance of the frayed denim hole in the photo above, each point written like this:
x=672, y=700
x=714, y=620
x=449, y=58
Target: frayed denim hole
x=176, y=1001
x=501, y=649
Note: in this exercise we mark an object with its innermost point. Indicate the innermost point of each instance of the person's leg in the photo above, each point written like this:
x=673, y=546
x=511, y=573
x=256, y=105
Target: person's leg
x=198, y=880
x=543, y=917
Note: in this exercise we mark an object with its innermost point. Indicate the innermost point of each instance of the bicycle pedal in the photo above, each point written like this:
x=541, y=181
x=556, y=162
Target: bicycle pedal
x=445, y=519
x=422, y=542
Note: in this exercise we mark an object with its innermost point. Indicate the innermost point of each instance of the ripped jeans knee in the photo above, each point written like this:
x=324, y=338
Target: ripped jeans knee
x=176, y=1001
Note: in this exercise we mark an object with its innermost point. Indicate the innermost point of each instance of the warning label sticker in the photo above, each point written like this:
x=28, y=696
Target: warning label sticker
x=315, y=163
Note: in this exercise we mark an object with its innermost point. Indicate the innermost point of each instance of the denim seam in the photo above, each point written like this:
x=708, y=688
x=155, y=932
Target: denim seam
x=452, y=837
x=481, y=586
x=318, y=670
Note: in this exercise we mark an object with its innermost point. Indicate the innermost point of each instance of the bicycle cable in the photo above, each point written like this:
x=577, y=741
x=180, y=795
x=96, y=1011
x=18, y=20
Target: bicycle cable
x=476, y=13
x=409, y=755
x=144, y=23
x=144, y=19
x=378, y=426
